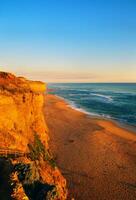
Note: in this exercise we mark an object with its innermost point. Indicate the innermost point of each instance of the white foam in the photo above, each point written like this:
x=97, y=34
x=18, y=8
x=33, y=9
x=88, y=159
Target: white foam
x=72, y=105
x=103, y=96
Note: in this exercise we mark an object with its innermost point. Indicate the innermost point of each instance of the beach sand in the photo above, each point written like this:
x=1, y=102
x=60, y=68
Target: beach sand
x=96, y=156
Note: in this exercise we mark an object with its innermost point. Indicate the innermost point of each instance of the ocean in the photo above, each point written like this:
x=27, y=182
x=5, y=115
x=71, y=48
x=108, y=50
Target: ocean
x=116, y=101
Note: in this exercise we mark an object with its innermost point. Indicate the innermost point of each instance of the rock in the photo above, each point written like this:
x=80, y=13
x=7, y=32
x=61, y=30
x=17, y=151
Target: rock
x=21, y=116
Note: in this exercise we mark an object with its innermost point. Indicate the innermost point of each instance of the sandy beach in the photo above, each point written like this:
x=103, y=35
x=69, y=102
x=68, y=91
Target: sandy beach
x=96, y=156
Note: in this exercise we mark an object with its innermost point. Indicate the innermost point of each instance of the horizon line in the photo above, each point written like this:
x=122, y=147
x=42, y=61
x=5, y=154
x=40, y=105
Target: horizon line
x=91, y=82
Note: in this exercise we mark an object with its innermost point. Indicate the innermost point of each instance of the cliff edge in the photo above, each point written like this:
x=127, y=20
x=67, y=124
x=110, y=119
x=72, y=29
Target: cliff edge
x=27, y=168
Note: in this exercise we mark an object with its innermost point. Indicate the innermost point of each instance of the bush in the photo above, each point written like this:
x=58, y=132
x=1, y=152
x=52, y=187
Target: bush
x=37, y=149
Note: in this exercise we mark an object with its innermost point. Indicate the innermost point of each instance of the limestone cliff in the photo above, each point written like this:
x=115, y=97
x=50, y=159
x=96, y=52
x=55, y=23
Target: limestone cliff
x=24, y=151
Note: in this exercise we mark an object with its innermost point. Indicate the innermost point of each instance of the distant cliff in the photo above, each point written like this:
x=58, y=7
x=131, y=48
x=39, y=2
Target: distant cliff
x=24, y=153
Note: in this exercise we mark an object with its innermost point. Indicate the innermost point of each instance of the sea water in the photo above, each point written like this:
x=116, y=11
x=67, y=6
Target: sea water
x=115, y=101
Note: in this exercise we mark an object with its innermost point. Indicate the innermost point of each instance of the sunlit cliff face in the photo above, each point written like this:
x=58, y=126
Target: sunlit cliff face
x=23, y=129
x=17, y=119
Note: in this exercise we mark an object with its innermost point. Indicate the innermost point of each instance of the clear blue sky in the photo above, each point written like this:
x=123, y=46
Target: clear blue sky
x=69, y=40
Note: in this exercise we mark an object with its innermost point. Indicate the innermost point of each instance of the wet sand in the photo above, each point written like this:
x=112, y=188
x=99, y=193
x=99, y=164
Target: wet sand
x=96, y=156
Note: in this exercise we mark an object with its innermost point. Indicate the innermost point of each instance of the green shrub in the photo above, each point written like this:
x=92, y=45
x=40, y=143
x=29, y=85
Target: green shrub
x=37, y=149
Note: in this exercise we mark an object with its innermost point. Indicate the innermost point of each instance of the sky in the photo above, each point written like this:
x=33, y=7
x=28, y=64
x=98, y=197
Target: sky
x=69, y=40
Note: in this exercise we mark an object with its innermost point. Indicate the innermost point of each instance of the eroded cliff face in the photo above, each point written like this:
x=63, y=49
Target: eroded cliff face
x=24, y=143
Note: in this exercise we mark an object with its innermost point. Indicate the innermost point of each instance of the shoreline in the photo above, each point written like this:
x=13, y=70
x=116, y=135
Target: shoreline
x=96, y=156
x=97, y=116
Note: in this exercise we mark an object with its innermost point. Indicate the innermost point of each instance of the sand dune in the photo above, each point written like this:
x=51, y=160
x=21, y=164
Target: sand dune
x=97, y=157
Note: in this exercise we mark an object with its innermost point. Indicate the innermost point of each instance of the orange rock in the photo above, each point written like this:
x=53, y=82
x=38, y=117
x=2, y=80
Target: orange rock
x=21, y=116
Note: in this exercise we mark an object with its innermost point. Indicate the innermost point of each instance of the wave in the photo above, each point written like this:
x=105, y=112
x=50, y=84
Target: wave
x=77, y=95
x=115, y=91
x=89, y=113
x=72, y=105
x=103, y=96
x=117, y=103
x=85, y=96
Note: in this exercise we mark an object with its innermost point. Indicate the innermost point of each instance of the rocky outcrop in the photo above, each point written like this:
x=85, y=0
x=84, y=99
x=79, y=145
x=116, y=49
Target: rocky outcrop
x=24, y=141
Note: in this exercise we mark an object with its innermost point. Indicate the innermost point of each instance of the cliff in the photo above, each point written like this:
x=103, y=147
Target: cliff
x=25, y=158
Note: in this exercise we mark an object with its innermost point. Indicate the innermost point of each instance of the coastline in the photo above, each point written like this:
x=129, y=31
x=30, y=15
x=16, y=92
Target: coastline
x=122, y=125
x=96, y=156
